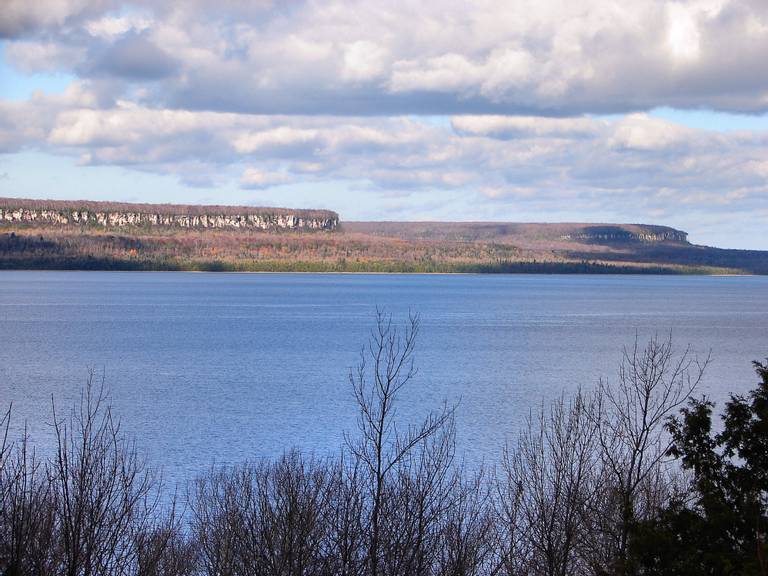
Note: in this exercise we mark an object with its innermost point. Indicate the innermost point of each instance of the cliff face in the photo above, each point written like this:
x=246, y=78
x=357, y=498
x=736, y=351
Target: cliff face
x=629, y=236
x=536, y=235
x=107, y=215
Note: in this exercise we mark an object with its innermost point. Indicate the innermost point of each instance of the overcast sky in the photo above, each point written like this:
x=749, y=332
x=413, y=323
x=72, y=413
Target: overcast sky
x=526, y=110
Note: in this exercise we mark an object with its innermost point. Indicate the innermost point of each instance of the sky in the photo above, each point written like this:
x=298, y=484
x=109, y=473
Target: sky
x=647, y=111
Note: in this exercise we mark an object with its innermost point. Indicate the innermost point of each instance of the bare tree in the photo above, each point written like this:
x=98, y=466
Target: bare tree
x=5, y=423
x=466, y=545
x=382, y=450
x=418, y=497
x=216, y=501
x=27, y=523
x=105, y=494
x=510, y=540
x=546, y=484
x=629, y=415
x=165, y=548
x=346, y=538
x=271, y=518
x=289, y=517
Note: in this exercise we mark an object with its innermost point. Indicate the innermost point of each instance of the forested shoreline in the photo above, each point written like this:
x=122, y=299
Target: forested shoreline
x=316, y=252
x=634, y=475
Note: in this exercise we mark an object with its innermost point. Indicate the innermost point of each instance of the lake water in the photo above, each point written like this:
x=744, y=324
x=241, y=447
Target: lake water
x=224, y=367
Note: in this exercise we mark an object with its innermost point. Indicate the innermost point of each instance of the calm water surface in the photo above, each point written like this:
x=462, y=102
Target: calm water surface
x=224, y=367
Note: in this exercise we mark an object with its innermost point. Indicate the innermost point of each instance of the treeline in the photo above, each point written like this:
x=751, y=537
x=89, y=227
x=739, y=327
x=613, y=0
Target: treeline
x=266, y=252
x=627, y=478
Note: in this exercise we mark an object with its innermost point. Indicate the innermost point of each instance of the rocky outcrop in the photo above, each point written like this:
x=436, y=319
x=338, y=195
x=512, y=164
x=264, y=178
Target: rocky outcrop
x=106, y=215
x=530, y=234
x=618, y=234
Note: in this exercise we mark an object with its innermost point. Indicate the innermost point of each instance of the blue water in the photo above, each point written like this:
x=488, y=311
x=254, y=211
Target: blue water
x=224, y=367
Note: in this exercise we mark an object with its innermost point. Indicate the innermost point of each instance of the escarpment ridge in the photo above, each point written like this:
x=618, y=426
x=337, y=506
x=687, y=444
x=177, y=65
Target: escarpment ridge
x=522, y=233
x=86, y=213
x=49, y=234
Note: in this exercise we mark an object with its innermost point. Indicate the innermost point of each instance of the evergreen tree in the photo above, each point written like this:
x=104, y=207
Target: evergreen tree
x=720, y=526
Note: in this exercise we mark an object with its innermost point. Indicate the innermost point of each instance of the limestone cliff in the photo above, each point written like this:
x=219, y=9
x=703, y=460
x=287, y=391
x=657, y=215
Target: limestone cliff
x=535, y=235
x=636, y=233
x=122, y=215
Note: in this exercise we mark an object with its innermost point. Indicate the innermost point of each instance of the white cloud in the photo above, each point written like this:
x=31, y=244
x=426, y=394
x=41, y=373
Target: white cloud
x=128, y=123
x=110, y=27
x=363, y=61
x=282, y=137
x=504, y=70
x=521, y=126
x=18, y=17
x=350, y=57
x=446, y=73
x=253, y=178
x=31, y=56
x=642, y=132
x=542, y=161
x=683, y=36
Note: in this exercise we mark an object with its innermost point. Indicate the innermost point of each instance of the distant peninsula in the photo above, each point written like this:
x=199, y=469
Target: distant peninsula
x=88, y=235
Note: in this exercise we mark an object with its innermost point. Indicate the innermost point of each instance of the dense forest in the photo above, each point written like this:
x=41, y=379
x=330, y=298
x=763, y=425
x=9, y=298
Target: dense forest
x=83, y=235
x=631, y=476
x=343, y=251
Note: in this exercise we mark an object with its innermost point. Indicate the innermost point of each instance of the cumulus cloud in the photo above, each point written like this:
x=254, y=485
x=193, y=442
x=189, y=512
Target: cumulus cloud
x=360, y=57
x=253, y=179
x=110, y=27
x=592, y=164
x=134, y=57
x=30, y=56
x=19, y=17
x=640, y=132
x=362, y=61
x=522, y=126
x=28, y=124
x=282, y=140
x=501, y=72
